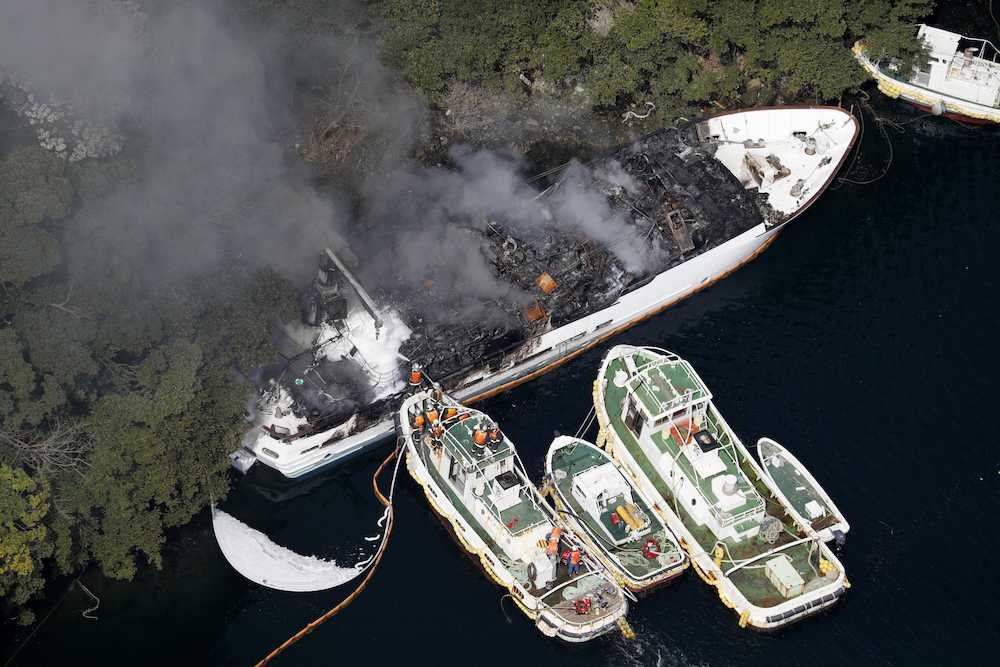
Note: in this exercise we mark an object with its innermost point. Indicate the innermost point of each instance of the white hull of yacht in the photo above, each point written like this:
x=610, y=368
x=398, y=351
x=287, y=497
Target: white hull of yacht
x=310, y=453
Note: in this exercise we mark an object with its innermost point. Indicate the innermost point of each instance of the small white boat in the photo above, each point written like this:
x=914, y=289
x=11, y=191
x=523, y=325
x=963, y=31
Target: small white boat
x=614, y=518
x=960, y=80
x=800, y=492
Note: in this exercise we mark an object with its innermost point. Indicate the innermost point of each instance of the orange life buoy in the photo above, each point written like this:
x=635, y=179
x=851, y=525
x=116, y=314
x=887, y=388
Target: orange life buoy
x=651, y=549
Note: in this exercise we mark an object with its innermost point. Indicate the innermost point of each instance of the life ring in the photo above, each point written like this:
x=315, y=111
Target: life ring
x=651, y=548
x=532, y=573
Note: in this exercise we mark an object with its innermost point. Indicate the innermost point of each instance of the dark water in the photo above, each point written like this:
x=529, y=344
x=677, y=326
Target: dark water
x=863, y=340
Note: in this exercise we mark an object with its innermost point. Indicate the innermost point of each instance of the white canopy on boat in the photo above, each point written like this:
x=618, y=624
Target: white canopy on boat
x=943, y=43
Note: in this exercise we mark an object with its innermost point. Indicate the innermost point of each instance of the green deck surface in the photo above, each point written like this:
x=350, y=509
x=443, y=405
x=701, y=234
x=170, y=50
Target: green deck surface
x=583, y=457
x=522, y=516
x=750, y=580
x=798, y=490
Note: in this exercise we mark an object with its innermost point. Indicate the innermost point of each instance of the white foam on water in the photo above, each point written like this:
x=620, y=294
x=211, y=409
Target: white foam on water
x=256, y=557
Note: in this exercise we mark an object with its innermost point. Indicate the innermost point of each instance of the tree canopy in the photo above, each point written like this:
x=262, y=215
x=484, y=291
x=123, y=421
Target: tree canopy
x=682, y=55
x=118, y=402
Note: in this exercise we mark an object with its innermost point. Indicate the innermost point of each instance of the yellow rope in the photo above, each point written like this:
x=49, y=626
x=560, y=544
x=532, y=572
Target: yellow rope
x=364, y=582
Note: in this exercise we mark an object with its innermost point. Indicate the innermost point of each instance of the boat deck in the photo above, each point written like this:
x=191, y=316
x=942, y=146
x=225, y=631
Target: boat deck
x=459, y=437
x=798, y=491
x=665, y=385
x=522, y=517
x=575, y=460
x=750, y=580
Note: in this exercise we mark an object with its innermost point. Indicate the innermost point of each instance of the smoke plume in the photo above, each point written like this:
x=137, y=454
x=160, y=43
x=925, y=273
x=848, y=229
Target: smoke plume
x=219, y=112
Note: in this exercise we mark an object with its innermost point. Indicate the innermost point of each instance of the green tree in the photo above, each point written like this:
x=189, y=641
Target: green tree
x=33, y=190
x=684, y=55
x=24, y=538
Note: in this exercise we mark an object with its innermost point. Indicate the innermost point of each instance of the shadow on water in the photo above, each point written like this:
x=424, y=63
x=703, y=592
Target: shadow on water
x=862, y=340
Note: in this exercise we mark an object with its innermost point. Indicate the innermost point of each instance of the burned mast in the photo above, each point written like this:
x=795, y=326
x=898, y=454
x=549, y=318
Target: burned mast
x=366, y=300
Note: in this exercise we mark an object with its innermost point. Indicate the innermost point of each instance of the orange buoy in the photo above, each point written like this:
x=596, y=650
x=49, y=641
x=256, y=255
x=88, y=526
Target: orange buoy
x=552, y=548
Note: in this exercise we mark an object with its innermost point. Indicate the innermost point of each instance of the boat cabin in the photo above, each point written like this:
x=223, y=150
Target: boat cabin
x=667, y=408
x=959, y=67
x=604, y=494
x=477, y=460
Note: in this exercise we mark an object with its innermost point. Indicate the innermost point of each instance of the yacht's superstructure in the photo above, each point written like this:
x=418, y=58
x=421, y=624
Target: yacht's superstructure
x=960, y=79
x=612, y=516
x=702, y=200
x=658, y=421
x=473, y=479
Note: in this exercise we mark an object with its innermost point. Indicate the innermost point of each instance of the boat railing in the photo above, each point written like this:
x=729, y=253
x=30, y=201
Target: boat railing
x=690, y=396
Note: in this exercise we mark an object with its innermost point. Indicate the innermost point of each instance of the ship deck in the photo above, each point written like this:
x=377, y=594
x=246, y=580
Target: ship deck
x=526, y=522
x=799, y=491
x=574, y=460
x=750, y=580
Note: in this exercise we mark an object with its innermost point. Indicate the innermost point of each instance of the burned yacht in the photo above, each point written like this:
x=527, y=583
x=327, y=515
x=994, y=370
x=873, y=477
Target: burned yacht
x=703, y=198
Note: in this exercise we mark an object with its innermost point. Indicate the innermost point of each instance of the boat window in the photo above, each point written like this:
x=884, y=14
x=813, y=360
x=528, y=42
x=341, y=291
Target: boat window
x=456, y=474
x=633, y=418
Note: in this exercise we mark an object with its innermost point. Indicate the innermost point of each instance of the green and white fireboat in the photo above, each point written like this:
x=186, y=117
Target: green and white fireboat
x=658, y=421
x=474, y=480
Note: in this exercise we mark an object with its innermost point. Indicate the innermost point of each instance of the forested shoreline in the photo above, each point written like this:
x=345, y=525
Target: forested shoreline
x=140, y=283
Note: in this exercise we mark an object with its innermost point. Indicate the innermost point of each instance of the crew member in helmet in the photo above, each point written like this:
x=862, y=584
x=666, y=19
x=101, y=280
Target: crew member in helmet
x=574, y=561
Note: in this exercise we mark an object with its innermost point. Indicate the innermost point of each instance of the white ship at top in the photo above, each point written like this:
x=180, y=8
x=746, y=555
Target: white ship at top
x=960, y=80
x=708, y=196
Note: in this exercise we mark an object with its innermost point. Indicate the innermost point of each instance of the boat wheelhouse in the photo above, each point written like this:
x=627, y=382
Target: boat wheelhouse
x=473, y=479
x=612, y=516
x=960, y=79
x=657, y=419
